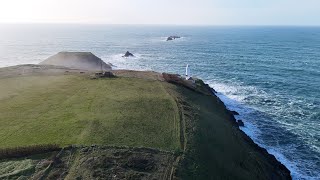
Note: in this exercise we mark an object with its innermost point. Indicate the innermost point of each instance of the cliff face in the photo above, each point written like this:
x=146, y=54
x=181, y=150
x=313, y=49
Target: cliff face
x=77, y=60
x=215, y=147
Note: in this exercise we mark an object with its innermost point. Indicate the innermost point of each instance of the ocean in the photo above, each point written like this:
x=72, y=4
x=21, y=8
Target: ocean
x=270, y=75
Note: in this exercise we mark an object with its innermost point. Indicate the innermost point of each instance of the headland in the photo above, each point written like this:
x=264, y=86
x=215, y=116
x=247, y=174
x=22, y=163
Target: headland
x=67, y=123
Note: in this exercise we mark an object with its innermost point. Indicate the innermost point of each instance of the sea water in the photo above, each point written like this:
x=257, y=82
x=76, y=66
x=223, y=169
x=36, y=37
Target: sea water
x=270, y=75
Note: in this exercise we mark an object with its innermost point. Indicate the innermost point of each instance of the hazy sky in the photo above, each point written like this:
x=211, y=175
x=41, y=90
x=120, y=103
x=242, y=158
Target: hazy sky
x=188, y=12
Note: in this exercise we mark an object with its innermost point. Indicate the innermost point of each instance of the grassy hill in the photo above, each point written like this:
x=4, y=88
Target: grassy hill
x=73, y=109
x=143, y=126
x=78, y=60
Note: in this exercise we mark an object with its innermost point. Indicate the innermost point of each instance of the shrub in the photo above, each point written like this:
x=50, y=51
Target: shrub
x=18, y=152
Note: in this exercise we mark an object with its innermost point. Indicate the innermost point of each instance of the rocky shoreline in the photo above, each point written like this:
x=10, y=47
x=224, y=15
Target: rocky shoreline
x=285, y=172
x=277, y=164
x=279, y=170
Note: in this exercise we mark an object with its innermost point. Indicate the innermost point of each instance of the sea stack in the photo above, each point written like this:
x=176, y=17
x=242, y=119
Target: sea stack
x=77, y=60
x=170, y=38
x=128, y=54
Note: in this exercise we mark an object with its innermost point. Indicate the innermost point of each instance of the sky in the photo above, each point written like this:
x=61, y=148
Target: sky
x=168, y=12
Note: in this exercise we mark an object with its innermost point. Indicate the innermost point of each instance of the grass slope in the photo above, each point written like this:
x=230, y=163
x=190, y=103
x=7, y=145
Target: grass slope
x=70, y=109
x=216, y=149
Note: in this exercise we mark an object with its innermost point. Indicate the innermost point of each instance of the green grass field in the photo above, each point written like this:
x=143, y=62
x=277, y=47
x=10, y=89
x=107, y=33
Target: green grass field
x=69, y=109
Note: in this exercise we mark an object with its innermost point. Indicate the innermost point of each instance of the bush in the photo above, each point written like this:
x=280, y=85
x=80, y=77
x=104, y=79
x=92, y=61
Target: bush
x=18, y=152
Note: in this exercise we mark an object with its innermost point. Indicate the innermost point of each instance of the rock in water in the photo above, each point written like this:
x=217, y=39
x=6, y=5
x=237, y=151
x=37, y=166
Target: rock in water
x=234, y=112
x=77, y=60
x=170, y=38
x=240, y=123
x=128, y=54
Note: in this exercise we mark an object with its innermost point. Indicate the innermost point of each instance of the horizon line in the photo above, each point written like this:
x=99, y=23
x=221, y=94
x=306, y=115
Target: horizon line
x=142, y=24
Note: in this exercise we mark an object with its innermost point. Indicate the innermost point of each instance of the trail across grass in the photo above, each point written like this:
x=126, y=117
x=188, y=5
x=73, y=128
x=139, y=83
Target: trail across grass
x=69, y=109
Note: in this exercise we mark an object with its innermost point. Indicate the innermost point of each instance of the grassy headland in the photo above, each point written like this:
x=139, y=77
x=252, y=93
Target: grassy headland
x=136, y=109
x=73, y=109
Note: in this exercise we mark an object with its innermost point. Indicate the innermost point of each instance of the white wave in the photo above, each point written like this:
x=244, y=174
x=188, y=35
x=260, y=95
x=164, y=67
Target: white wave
x=237, y=91
x=294, y=170
x=132, y=63
x=228, y=91
x=234, y=100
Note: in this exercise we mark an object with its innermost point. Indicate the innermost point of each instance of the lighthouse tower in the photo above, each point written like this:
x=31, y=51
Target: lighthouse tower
x=187, y=72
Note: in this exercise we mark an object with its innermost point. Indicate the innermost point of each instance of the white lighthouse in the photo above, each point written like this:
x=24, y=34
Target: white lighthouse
x=187, y=72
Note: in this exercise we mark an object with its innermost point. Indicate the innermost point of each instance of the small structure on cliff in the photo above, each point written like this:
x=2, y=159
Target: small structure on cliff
x=188, y=77
x=107, y=74
x=187, y=72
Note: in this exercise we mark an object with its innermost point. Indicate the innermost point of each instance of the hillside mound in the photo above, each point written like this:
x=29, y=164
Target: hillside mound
x=77, y=60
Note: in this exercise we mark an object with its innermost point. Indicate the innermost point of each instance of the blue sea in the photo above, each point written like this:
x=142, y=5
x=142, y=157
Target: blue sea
x=270, y=75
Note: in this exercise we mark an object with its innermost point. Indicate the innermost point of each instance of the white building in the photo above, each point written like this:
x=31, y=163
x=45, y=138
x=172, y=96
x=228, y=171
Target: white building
x=187, y=72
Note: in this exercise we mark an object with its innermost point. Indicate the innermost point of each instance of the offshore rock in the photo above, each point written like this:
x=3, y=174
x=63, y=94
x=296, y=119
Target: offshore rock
x=170, y=38
x=128, y=54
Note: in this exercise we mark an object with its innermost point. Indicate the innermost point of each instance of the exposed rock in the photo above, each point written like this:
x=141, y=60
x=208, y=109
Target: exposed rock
x=128, y=54
x=77, y=60
x=213, y=90
x=233, y=120
x=234, y=112
x=240, y=123
x=176, y=79
x=170, y=38
x=104, y=75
